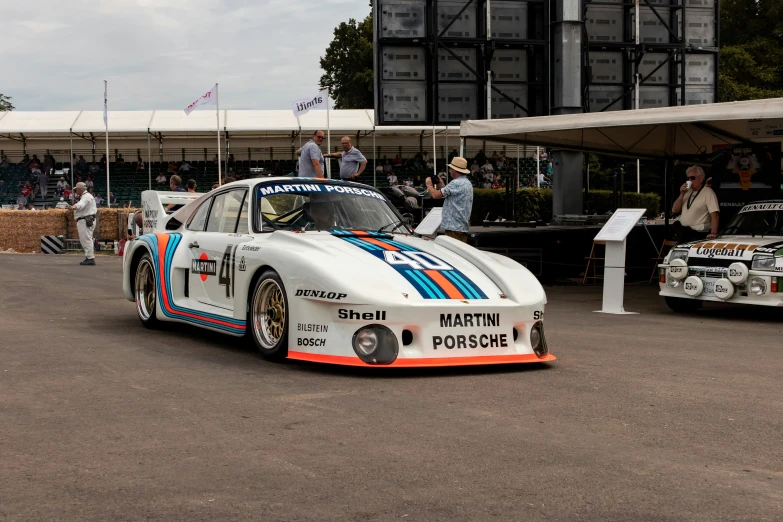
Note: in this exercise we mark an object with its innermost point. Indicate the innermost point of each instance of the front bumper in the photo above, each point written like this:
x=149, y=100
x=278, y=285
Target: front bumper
x=741, y=294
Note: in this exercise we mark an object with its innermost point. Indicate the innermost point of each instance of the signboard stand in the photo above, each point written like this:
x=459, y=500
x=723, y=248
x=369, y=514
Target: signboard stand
x=614, y=233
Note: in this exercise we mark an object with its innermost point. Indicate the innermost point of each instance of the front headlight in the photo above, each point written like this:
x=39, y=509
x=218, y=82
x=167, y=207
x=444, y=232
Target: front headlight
x=763, y=263
x=538, y=341
x=678, y=254
x=757, y=286
x=375, y=344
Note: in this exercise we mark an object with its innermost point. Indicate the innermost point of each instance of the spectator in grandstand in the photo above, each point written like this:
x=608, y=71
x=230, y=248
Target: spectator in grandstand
x=139, y=163
x=311, y=160
x=452, y=154
x=429, y=165
x=103, y=163
x=500, y=161
x=81, y=165
x=161, y=179
x=353, y=162
x=4, y=161
x=398, y=161
x=84, y=213
x=388, y=167
x=392, y=179
x=90, y=184
x=120, y=160
x=184, y=167
x=172, y=168
x=94, y=168
x=191, y=185
x=61, y=186
x=425, y=157
x=379, y=169
x=541, y=179
x=215, y=159
x=34, y=163
x=22, y=205
x=43, y=184
x=481, y=158
x=112, y=198
x=409, y=181
x=231, y=160
x=98, y=199
x=458, y=202
x=474, y=168
x=49, y=163
x=30, y=206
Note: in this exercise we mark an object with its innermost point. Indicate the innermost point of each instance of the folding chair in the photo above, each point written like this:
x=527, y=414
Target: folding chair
x=665, y=247
x=592, y=261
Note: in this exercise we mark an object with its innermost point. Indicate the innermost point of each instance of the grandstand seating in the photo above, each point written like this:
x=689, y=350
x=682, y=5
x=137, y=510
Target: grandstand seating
x=127, y=183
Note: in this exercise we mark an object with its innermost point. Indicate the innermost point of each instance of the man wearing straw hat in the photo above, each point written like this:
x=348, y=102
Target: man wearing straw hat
x=459, y=199
x=84, y=212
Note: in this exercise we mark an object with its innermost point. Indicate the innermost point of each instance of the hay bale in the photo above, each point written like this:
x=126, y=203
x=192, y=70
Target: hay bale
x=21, y=231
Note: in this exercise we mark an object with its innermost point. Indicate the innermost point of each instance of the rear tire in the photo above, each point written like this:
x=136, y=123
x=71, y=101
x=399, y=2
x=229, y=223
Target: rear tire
x=678, y=304
x=268, y=317
x=145, y=290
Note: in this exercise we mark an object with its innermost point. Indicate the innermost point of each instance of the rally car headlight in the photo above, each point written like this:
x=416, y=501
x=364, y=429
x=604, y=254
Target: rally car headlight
x=375, y=344
x=763, y=263
x=538, y=341
x=678, y=254
x=673, y=283
x=757, y=286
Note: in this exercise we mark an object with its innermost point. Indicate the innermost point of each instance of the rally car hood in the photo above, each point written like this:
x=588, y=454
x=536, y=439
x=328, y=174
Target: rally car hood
x=739, y=248
x=408, y=268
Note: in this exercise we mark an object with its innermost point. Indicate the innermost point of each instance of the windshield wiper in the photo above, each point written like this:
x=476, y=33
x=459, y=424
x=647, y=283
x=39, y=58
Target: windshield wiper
x=393, y=223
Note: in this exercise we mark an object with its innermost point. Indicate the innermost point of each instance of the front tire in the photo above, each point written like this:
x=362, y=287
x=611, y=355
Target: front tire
x=268, y=316
x=145, y=289
x=678, y=304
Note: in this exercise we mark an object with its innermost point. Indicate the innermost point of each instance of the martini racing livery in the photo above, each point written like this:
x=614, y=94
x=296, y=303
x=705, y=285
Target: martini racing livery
x=743, y=265
x=328, y=271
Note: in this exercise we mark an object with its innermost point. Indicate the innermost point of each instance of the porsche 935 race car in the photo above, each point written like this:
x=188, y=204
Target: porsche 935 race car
x=743, y=265
x=328, y=271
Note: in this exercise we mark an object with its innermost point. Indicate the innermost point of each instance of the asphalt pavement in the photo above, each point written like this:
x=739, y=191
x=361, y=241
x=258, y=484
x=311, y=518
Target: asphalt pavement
x=651, y=417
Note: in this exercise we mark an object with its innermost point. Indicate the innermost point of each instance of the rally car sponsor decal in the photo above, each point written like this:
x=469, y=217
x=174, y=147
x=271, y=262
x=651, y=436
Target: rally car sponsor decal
x=204, y=267
x=432, y=277
x=718, y=249
x=162, y=247
x=761, y=206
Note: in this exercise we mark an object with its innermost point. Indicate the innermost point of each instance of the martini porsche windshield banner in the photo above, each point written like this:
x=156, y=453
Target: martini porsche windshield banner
x=272, y=189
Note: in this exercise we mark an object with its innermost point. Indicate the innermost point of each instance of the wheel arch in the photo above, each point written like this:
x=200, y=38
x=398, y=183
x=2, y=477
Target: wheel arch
x=138, y=253
x=252, y=284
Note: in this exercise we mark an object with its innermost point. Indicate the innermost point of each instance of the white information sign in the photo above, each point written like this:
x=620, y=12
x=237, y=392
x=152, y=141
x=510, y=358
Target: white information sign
x=620, y=224
x=430, y=224
x=613, y=234
x=772, y=128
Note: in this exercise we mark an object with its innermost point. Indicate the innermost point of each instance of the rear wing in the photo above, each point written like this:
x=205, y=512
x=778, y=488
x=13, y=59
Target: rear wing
x=154, y=205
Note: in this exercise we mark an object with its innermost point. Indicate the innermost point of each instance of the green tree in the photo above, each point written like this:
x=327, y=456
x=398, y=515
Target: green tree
x=5, y=103
x=751, y=57
x=347, y=65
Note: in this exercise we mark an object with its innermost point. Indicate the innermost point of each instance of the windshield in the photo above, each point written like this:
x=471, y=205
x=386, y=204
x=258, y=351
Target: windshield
x=763, y=219
x=325, y=206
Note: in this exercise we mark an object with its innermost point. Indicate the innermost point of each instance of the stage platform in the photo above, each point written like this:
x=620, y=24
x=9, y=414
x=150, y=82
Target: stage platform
x=556, y=253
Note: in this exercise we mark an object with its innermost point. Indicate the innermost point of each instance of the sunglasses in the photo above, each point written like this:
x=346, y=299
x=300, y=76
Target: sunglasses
x=319, y=137
x=692, y=178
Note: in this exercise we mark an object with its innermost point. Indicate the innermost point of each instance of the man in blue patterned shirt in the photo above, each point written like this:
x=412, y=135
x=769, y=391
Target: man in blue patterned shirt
x=459, y=199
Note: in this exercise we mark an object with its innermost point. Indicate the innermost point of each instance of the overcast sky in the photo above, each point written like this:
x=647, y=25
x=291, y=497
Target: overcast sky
x=163, y=54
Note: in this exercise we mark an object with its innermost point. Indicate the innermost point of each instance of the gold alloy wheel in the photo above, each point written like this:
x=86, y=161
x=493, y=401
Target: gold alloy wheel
x=145, y=289
x=269, y=314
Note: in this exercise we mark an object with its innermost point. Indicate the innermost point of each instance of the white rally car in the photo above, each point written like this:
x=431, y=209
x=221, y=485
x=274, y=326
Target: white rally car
x=743, y=265
x=327, y=271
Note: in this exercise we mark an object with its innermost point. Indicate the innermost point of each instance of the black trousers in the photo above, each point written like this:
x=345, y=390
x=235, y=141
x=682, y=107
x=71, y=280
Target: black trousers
x=683, y=234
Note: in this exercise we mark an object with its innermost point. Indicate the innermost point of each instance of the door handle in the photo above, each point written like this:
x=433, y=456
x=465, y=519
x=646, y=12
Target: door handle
x=193, y=245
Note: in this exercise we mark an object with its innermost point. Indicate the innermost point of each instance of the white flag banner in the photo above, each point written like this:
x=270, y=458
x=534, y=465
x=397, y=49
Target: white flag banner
x=304, y=105
x=105, y=104
x=208, y=98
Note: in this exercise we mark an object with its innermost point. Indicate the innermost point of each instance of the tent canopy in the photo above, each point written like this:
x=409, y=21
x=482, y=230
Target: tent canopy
x=684, y=131
x=45, y=124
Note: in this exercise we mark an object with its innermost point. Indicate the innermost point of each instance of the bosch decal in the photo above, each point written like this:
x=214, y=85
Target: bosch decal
x=310, y=341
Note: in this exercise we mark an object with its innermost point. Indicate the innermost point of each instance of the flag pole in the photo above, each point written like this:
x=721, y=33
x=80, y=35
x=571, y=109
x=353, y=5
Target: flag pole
x=217, y=117
x=328, y=138
x=106, y=123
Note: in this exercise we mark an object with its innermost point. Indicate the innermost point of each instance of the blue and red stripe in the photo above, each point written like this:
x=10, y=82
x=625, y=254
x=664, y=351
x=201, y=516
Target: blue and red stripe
x=167, y=244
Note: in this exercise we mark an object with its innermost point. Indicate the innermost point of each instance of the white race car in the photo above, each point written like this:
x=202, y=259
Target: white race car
x=328, y=271
x=743, y=265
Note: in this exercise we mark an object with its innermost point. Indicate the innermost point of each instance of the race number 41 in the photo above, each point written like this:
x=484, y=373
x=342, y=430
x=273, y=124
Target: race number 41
x=415, y=260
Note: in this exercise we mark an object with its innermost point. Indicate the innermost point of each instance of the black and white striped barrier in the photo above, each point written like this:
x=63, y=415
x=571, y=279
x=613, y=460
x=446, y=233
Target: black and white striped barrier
x=52, y=244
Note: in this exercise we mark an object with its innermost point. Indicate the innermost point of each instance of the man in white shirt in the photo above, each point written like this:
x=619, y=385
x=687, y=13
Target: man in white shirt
x=161, y=179
x=392, y=179
x=698, y=208
x=185, y=167
x=84, y=212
